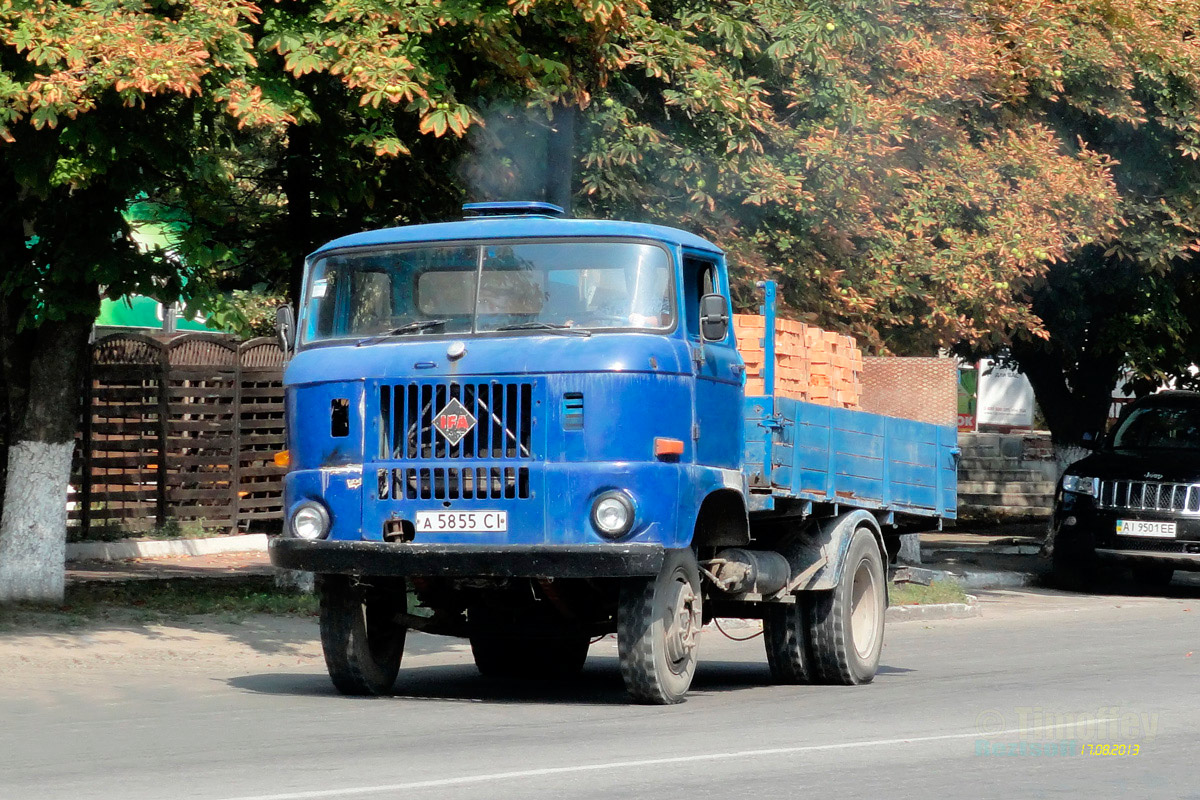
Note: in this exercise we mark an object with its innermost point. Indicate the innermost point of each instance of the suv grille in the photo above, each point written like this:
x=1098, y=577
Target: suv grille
x=503, y=412
x=1183, y=498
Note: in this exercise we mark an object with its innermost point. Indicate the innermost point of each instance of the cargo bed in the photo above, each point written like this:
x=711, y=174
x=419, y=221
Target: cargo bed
x=805, y=451
x=799, y=450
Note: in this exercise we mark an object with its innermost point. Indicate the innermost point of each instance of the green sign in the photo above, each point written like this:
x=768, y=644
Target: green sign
x=137, y=311
x=968, y=397
x=154, y=226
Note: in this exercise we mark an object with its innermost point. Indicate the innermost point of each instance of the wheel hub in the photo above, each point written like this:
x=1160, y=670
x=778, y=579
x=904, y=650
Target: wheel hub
x=864, y=610
x=684, y=623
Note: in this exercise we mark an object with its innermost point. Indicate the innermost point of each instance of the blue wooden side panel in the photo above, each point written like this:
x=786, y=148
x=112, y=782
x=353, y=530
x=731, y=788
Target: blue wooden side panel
x=839, y=455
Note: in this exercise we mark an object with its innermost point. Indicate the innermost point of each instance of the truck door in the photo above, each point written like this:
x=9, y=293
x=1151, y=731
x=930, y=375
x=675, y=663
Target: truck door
x=717, y=367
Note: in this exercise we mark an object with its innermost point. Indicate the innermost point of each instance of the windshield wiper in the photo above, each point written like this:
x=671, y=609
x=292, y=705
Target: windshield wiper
x=411, y=327
x=549, y=327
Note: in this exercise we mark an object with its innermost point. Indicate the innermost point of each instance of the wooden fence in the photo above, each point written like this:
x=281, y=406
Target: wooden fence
x=181, y=432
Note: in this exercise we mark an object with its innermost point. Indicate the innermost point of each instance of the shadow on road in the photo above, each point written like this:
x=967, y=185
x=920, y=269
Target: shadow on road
x=1112, y=581
x=599, y=684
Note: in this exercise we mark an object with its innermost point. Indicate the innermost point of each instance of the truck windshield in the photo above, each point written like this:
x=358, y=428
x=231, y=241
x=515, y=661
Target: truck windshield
x=1160, y=428
x=471, y=288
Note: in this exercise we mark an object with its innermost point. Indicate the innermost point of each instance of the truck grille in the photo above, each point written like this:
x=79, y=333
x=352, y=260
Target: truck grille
x=454, y=483
x=1183, y=498
x=503, y=413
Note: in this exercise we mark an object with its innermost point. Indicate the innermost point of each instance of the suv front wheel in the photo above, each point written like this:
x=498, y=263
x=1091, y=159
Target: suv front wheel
x=1073, y=561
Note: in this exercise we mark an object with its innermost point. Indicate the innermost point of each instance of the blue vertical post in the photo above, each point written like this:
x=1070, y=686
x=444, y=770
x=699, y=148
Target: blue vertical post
x=886, y=494
x=768, y=312
x=939, y=478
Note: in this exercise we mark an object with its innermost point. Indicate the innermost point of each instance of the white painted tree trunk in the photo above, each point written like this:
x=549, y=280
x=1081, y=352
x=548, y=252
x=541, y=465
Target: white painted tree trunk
x=33, y=526
x=910, y=549
x=1067, y=454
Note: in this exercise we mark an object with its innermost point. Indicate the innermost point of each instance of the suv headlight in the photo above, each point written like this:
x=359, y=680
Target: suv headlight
x=1080, y=485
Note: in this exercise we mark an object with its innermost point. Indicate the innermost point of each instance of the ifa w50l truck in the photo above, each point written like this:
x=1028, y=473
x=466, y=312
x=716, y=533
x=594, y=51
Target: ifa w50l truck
x=532, y=431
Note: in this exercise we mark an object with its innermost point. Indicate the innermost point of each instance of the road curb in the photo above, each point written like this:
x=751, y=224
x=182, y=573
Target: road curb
x=969, y=578
x=159, y=548
x=935, y=611
x=979, y=579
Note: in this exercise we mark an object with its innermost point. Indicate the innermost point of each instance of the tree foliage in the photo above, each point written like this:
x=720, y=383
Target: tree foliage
x=925, y=173
x=883, y=158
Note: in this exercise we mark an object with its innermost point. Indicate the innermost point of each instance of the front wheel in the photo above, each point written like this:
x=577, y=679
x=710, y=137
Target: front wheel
x=658, y=622
x=846, y=627
x=1153, y=576
x=361, y=636
x=1073, y=562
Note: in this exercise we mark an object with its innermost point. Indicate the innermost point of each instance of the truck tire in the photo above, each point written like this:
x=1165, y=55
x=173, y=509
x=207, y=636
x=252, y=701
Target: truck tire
x=658, y=621
x=529, y=657
x=846, y=628
x=787, y=640
x=361, y=639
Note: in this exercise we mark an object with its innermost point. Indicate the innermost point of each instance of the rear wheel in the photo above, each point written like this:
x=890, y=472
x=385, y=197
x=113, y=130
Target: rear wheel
x=846, y=628
x=361, y=636
x=786, y=636
x=658, y=622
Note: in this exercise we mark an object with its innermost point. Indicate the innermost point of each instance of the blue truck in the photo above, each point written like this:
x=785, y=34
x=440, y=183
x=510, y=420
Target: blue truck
x=531, y=431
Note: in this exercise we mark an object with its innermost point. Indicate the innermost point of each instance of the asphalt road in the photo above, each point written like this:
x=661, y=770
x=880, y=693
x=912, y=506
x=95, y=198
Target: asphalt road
x=961, y=708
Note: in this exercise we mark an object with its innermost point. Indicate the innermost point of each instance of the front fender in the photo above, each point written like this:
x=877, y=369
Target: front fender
x=698, y=483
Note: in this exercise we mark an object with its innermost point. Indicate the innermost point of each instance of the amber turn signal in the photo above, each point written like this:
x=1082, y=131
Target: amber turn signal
x=283, y=459
x=667, y=447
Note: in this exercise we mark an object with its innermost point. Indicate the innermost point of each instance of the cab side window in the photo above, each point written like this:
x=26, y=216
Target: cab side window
x=699, y=279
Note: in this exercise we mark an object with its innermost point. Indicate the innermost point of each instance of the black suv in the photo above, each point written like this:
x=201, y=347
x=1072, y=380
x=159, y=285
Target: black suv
x=1136, y=500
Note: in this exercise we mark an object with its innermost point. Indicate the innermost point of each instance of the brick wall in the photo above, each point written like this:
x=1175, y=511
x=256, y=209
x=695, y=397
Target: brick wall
x=924, y=389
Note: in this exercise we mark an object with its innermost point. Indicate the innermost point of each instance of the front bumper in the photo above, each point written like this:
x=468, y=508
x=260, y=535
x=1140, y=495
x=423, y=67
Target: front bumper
x=467, y=560
x=1081, y=527
x=1184, y=561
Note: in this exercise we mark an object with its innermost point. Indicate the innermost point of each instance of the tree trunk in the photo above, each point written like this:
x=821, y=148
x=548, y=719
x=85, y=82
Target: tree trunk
x=1075, y=398
x=1067, y=454
x=1074, y=403
x=33, y=523
x=910, y=548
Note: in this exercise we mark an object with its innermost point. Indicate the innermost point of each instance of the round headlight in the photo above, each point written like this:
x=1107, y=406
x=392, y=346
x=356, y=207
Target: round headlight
x=612, y=514
x=310, y=521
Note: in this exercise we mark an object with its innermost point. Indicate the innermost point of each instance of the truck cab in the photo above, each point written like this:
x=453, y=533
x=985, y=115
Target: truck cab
x=514, y=396
x=512, y=380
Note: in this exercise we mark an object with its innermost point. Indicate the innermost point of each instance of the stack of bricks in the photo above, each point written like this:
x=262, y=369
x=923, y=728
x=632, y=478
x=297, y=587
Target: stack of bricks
x=811, y=364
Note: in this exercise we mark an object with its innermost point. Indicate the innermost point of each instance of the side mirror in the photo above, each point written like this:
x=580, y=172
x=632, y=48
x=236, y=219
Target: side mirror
x=714, y=317
x=285, y=328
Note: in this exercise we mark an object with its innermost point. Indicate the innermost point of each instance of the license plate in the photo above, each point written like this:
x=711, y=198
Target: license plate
x=1141, y=527
x=463, y=521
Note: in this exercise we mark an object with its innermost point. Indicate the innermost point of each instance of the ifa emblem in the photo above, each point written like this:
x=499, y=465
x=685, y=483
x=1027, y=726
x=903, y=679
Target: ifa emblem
x=454, y=421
